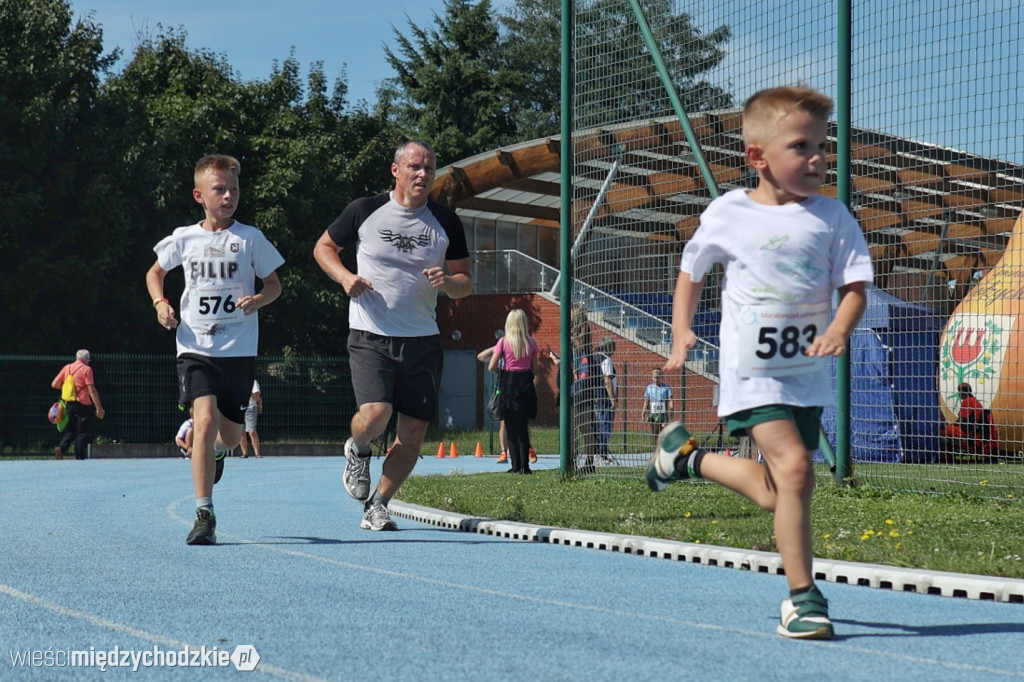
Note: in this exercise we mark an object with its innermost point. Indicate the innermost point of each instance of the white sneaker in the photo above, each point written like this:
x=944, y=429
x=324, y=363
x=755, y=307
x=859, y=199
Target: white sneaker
x=673, y=441
x=376, y=517
x=356, y=478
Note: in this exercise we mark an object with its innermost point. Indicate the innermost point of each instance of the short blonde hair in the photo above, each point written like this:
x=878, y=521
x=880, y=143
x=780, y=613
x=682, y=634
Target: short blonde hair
x=764, y=109
x=221, y=163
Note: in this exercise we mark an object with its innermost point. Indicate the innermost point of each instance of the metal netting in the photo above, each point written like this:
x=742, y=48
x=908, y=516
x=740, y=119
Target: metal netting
x=936, y=179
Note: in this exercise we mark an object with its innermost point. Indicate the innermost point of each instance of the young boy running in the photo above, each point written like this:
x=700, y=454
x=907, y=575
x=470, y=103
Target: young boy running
x=784, y=249
x=218, y=332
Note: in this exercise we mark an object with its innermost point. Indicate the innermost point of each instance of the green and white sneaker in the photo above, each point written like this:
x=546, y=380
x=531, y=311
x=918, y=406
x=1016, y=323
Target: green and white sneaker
x=673, y=441
x=805, y=616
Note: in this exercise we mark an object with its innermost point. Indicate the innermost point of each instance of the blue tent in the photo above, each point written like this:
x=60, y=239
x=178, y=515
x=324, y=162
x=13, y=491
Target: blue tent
x=894, y=356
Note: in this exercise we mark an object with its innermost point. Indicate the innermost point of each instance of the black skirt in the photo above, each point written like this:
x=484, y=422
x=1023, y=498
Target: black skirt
x=519, y=393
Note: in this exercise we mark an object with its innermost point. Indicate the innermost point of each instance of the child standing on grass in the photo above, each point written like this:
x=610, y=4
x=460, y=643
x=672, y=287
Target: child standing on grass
x=516, y=354
x=784, y=249
x=218, y=333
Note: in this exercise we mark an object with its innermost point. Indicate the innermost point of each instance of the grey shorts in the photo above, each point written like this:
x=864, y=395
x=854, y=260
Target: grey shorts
x=403, y=371
x=250, y=419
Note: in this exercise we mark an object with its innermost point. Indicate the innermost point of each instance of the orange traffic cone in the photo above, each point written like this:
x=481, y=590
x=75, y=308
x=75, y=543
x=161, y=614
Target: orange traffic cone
x=454, y=452
x=479, y=450
x=440, y=451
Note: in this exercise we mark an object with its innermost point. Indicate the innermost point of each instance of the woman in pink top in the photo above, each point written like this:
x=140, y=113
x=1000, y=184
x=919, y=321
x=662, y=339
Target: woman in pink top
x=518, y=353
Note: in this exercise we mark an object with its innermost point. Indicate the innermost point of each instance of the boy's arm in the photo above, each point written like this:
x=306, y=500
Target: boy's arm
x=684, y=305
x=271, y=290
x=155, y=284
x=852, y=302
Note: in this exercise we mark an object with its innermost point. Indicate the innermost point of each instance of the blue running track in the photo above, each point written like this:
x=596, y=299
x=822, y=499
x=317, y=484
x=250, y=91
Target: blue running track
x=94, y=560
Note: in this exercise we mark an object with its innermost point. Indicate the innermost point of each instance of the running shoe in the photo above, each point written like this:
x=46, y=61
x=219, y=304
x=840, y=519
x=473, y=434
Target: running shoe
x=203, y=530
x=357, y=472
x=218, y=456
x=533, y=456
x=503, y=457
x=376, y=517
x=805, y=616
x=673, y=441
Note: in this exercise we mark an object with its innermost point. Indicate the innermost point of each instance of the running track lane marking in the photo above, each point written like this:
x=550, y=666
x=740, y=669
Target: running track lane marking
x=167, y=642
x=172, y=512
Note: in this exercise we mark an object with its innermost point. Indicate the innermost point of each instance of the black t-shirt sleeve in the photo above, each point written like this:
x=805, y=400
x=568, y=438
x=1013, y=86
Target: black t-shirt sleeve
x=345, y=228
x=452, y=224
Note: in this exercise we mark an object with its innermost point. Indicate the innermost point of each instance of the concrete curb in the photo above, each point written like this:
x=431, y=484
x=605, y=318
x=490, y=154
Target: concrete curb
x=986, y=588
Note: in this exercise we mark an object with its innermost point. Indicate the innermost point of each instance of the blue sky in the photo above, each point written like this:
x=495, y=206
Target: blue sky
x=255, y=33
x=947, y=76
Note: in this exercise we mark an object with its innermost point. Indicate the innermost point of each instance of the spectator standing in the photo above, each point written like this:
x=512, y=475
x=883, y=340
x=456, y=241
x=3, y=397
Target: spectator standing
x=657, y=403
x=515, y=358
x=252, y=413
x=81, y=409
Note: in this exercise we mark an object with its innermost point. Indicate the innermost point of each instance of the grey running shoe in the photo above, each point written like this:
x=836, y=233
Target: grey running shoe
x=805, y=616
x=203, y=530
x=357, y=472
x=376, y=517
x=673, y=441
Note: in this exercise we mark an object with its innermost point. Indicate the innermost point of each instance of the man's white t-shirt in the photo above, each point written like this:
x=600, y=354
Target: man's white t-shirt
x=395, y=245
x=219, y=267
x=782, y=266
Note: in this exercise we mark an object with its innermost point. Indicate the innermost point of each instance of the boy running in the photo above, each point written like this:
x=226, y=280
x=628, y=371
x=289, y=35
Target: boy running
x=784, y=249
x=219, y=329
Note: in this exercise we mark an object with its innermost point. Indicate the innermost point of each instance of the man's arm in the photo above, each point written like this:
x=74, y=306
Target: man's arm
x=328, y=256
x=95, y=395
x=458, y=284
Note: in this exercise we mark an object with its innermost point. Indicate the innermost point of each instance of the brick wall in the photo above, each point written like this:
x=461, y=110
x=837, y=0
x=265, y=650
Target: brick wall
x=477, y=317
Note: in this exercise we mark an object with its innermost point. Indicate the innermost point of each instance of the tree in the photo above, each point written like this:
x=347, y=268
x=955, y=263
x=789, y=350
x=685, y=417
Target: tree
x=451, y=89
x=532, y=48
x=623, y=83
x=475, y=83
x=52, y=159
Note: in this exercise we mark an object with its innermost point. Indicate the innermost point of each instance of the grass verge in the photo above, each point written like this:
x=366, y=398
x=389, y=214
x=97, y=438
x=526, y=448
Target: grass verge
x=942, y=532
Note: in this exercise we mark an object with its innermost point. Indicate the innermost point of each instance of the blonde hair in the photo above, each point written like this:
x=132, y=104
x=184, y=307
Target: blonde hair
x=764, y=109
x=221, y=163
x=517, y=333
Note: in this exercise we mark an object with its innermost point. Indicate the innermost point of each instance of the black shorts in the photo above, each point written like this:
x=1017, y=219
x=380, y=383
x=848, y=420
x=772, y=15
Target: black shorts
x=229, y=379
x=403, y=371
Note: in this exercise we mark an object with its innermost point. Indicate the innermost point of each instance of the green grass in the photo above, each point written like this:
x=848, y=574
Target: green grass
x=958, y=532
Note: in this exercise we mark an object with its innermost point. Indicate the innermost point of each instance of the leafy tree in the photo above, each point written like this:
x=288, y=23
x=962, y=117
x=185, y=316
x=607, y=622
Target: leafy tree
x=451, y=88
x=53, y=241
x=304, y=155
x=622, y=83
x=532, y=49
x=474, y=82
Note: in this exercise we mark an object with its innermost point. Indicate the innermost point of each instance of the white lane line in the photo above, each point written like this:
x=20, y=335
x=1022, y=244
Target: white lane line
x=951, y=665
x=167, y=642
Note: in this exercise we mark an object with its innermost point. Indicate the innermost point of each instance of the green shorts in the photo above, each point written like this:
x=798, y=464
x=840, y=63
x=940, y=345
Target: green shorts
x=660, y=418
x=807, y=419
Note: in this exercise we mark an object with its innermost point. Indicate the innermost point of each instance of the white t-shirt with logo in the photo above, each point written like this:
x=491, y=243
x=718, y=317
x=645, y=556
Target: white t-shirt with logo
x=219, y=268
x=782, y=267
